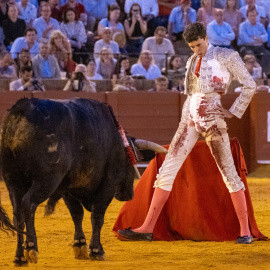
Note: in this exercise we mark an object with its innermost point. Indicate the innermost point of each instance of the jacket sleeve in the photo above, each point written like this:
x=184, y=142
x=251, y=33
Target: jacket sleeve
x=238, y=71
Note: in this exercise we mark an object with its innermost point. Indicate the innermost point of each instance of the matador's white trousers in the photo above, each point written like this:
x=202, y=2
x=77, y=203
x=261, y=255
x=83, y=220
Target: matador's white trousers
x=201, y=115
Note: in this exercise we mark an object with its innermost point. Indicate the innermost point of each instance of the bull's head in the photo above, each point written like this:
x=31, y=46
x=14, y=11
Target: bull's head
x=144, y=151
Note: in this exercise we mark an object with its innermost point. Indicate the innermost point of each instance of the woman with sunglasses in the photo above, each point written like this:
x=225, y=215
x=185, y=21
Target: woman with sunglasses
x=135, y=28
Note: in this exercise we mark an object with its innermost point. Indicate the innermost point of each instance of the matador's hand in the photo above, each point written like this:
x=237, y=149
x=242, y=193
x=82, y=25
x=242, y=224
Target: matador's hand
x=226, y=113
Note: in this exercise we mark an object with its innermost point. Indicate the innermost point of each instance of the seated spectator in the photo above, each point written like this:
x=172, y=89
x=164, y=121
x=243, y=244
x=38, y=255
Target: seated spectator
x=175, y=68
x=75, y=32
x=91, y=70
x=135, y=28
x=13, y=27
x=180, y=87
x=122, y=67
x=112, y=21
x=146, y=67
x=78, y=7
x=105, y=42
x=149, y=8
x=96, y=10
x=126, y=85
x=55, y=11
x=120, y=38
x=60, y=47
x=161, y=85
x=23, y=60
x=207, y=12
x=45, y=24
x=219, y=32
x=27, y=12
x=180, y=17
x=261, y=16
x=149, y=12
x=7, y=66
x=45, y=65
x=252, y=35
x=232, y=16
x=159, y=46
x=265, y=4
x=27, y=42
x=26, y=82
x=106, y=63
x=253, y=67
x=3, y=11
x=79, y=81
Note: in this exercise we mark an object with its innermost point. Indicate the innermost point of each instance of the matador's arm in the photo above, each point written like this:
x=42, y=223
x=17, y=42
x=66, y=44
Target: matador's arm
x=238, y=70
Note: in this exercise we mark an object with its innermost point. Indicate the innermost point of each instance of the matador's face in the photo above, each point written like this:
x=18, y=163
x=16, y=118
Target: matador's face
x=199, y=46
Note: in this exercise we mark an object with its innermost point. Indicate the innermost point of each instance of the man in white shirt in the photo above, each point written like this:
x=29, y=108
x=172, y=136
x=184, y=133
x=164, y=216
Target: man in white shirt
x=27, y=12
x=105, y=42
x=26, y=82
x=27, y=42
x=146, y=67
x=45, y=24
x=159, y=46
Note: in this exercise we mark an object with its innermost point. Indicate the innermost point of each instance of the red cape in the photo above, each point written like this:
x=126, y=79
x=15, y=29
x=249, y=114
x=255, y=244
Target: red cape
x=199, y=207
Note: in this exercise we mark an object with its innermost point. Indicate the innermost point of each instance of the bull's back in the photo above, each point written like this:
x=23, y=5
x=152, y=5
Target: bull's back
x=42, y=136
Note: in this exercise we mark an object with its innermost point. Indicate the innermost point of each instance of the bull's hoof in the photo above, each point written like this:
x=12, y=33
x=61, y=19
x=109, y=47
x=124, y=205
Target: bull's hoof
x=80, y=250
x=20, y=262
x=95, y=255
x=48, y=210
x=31, y=255
x=81, y=253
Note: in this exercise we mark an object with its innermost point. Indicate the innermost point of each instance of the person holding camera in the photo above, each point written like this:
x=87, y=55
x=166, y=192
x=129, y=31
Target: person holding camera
x=26, y=82
x=79, y=81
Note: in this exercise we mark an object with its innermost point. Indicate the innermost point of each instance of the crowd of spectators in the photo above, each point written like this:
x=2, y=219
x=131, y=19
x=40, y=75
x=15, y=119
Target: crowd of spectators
x=120, y=40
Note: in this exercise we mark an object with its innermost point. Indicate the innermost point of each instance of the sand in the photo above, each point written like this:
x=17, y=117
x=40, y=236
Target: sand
x=55, y=239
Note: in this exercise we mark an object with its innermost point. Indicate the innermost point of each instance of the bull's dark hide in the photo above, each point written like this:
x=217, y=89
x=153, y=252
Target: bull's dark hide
x=67, y=148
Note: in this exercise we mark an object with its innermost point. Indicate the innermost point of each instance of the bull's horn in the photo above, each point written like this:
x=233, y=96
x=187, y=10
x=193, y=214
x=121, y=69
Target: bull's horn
x=142, y=144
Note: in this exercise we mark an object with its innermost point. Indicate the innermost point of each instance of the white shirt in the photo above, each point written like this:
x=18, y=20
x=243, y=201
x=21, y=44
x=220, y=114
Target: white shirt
x=97, y=76
x=148, y=6
x=159, y=51
x=100, y=44
x=152, y=73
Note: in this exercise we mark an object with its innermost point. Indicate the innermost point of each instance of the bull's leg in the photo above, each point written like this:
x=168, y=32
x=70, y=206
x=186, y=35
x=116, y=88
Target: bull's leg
x=76, y=210
x=18, y=220
x=38, y=193
x=97, y=219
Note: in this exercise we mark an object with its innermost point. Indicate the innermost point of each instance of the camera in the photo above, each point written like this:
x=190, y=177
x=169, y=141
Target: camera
x=37, y=85
x=79, y=76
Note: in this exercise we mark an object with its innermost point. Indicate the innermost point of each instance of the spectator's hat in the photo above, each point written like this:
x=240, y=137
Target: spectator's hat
x=80, y=68
x=120, y=38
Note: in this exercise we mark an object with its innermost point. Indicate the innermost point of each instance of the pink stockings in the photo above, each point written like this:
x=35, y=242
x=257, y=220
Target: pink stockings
x=160, y=197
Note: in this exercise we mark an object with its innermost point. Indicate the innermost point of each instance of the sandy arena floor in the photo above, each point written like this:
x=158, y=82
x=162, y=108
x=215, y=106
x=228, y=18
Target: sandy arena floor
x=55, y=239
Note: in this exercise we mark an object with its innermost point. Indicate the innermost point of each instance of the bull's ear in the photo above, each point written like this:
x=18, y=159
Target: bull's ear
x=147, y=155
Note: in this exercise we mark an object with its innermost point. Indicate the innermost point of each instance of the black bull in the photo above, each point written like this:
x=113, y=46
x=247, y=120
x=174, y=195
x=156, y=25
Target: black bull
x=70, y=149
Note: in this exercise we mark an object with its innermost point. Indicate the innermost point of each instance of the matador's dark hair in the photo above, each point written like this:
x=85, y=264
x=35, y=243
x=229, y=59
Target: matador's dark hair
x=194, y=31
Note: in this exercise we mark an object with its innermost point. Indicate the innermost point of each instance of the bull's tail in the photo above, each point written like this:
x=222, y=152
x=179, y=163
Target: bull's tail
x=51, y=203
x=5, y=223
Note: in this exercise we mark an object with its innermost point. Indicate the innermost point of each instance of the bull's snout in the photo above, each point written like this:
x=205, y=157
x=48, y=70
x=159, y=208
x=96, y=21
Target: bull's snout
x=124, y=195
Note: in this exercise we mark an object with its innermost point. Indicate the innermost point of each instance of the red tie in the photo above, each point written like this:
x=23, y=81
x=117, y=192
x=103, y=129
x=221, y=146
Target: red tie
x=198, y=66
